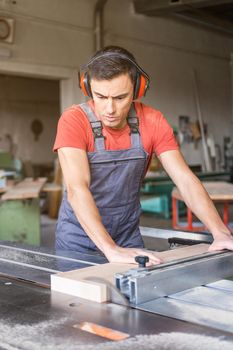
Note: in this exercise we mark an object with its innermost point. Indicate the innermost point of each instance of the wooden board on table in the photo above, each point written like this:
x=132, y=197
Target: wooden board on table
x=28, y=188
x=78, y=282
x=55, y=197
x=184, y=252
x=51, y=187
x=3, y=189
x=9, y=184
x=217, y=190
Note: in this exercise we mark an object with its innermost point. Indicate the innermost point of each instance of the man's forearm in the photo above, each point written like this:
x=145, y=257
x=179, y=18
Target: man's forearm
x=88, y=215
x=197, y=199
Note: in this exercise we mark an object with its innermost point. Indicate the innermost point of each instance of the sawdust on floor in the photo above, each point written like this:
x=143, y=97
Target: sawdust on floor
x=41, y=336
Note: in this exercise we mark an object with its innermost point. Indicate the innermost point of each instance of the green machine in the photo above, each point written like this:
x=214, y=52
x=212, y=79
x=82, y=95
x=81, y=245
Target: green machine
x=156, y=197
x=6, y=161
x=157, y=188
x=20, y=212
x=20, y=221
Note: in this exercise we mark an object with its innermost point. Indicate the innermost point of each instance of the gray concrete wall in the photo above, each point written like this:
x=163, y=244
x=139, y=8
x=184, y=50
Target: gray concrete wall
x=170, y=50
x=58, y=35
x=22, y=101
x=53, y=32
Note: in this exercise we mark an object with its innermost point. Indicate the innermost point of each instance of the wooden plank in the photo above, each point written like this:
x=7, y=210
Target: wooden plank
x=80, y=288
x=217, y=190
x=28, y=188
x=3, y=189
x=51, y=187
x=9, y=184
x=75, y=282
x=55, y=197
x=184, y=252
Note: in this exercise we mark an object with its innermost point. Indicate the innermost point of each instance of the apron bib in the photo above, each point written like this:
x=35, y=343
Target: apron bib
x=116, y=178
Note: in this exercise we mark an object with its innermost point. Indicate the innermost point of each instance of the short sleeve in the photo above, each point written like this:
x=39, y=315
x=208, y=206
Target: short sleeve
x=164, y=139
x=72, y=130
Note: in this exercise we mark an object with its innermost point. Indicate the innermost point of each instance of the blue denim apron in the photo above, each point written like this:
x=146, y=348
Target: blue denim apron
x=116, y=178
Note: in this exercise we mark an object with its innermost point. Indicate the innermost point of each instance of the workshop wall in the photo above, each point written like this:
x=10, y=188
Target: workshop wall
x=53, y=32
x=22, y=102
x=169, y=50
x=61, y=34
x=46, y=34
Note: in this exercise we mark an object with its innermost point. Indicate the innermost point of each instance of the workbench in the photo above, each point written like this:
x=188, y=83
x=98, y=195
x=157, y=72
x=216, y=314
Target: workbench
x=219, y=191
x=157, y=188
x=34, y=317
x=20, y=210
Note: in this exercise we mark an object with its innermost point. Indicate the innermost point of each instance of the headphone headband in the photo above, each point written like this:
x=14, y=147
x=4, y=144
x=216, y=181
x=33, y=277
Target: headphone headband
x=121, y=55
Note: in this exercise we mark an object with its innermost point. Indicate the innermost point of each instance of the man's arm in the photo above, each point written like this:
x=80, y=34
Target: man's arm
x=76, y=172
x=196, y=198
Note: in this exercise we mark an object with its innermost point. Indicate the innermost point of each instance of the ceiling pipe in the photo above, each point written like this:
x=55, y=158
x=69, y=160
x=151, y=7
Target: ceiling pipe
x=207, y=21
x=98, y=25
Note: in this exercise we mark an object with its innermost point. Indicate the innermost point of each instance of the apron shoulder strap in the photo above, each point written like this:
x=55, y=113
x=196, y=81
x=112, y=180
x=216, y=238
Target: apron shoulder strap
x=133, y=123
x=96, y=126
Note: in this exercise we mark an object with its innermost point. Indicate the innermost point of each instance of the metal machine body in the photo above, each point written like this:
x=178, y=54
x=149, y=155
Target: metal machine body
x=145, y=284
x=34, y=317
x=183, y=290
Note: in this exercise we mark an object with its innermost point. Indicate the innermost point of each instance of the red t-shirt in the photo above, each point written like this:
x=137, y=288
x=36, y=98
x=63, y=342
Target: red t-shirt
x=74, y=130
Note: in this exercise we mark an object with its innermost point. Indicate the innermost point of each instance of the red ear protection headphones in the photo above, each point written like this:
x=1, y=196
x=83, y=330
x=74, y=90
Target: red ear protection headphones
x=142, y=80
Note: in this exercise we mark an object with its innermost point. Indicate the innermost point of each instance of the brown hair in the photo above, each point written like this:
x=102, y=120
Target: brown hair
x=111, y=62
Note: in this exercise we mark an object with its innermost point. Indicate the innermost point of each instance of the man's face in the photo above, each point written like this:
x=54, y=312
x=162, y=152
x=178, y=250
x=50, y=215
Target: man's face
x=112, y=100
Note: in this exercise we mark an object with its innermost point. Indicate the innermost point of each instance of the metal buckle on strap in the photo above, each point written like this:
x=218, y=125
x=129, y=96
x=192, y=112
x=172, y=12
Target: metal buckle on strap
x=97, y=129
x=134, y=130
x=133, y=123
x=98, y=132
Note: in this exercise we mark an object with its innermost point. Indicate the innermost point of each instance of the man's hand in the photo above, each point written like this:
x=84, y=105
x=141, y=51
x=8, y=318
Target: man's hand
x=221, y=242
x=127, y=255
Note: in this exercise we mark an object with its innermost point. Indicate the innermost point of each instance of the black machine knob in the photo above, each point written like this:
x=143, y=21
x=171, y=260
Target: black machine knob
x=141, y=260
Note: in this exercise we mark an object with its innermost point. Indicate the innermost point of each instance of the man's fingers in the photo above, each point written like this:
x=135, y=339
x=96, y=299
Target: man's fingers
x=153, y=259
x=214, y=248
x=128, y=255
x=221, y=245
x=156, y=260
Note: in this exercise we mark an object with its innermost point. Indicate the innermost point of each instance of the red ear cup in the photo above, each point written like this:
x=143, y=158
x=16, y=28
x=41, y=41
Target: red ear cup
x=84, y=84
x=142, y=86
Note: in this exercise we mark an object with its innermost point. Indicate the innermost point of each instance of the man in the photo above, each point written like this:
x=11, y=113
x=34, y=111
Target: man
x=105, y=147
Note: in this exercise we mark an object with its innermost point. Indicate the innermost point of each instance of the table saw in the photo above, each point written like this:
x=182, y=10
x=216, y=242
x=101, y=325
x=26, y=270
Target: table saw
x=182, y=305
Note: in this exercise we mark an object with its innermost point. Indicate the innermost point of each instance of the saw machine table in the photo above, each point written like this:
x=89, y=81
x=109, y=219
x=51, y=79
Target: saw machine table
x=180, y=289
x=34, y=317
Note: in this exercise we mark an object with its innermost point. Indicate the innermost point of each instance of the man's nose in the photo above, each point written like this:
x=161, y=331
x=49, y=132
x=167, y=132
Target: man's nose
x=110, y=107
